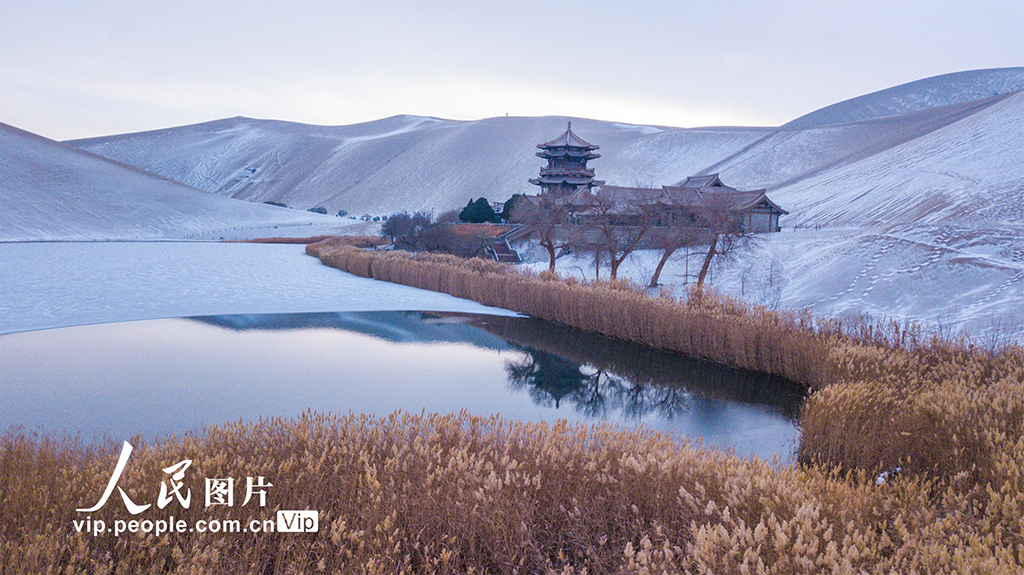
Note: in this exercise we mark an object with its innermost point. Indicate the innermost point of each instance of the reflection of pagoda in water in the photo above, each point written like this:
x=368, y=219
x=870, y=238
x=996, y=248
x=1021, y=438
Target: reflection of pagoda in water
x=567, y=171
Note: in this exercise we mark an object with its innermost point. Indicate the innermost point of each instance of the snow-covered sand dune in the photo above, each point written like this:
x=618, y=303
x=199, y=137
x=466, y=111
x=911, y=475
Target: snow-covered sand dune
x=410, y=162
x=969, y=172
x=403, y=162
x=787, y=156
x=933, y=92
x=51, y=192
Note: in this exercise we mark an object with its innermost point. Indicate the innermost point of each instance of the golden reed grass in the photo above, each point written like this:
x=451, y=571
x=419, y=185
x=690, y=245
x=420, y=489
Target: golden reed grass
x=462, y=494
x=357, y=241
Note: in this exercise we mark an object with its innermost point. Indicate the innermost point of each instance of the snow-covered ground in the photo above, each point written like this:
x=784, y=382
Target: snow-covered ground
x=954, y=281
x=57, y=284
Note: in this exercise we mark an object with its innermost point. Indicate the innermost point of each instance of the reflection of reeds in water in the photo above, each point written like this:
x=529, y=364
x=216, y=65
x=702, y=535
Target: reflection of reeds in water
x=460, y=494
x=636, y=378
x=888, y=396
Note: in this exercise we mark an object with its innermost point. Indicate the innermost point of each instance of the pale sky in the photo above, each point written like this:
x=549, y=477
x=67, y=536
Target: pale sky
x=72, y=69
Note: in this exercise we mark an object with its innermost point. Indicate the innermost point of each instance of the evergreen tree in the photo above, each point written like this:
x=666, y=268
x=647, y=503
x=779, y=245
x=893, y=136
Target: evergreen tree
x=478, y=211
x=510, y=205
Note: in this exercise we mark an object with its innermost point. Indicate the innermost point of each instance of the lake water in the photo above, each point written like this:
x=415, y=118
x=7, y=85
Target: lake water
x=173, y=375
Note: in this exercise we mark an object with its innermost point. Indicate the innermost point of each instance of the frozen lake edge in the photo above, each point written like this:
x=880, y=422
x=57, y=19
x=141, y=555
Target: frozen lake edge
x=61, y=284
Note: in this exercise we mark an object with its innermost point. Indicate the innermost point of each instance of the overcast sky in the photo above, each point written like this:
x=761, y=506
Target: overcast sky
x=78, y=69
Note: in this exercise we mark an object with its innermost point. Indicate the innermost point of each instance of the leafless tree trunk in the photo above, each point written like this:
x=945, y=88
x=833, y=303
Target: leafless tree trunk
x=543, y=217
x=670, y=239
x=618, y=229
x=725, y=230
x=707, y=261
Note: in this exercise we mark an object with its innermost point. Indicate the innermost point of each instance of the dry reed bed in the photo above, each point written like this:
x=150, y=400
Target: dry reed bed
x=889, y=397
x=461, y=494
x=718, y=329
x=357, y=241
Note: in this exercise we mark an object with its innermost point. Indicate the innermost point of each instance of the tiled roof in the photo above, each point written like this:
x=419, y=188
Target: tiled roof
x=701, y=181
x=568, y=139
x=625, y=199
x=573, y=180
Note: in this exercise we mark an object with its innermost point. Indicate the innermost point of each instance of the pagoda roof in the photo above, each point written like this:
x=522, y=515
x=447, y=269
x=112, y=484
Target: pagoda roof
x=568, y=139
x=575, y=153
x=571, y=180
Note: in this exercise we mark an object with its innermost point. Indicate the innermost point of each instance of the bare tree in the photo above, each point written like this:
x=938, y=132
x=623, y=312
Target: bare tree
x=416, y=232
x=724, y=230
x=545, y=218
x=585, y=241
x=669, y=239
x=616, y=227
x=405, y=226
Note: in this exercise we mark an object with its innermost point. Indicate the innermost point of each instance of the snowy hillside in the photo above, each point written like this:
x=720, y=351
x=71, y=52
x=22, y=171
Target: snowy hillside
x=967, y=172
x=403, y=162
x=788, y=155
x=50, y=191
x=934, y=92
x=409, y=162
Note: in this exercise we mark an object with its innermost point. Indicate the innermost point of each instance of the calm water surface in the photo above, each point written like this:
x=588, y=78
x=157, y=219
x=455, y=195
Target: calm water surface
x=170, y=376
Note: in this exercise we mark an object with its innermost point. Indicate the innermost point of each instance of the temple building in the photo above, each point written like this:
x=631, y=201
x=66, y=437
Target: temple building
x=568, y=181
x=567, y=171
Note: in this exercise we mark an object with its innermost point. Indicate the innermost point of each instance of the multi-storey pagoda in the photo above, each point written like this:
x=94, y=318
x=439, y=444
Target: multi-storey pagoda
x=567, y=171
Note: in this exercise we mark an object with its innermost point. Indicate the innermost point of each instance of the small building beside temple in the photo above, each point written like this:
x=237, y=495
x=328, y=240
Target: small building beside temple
x=568, y=181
